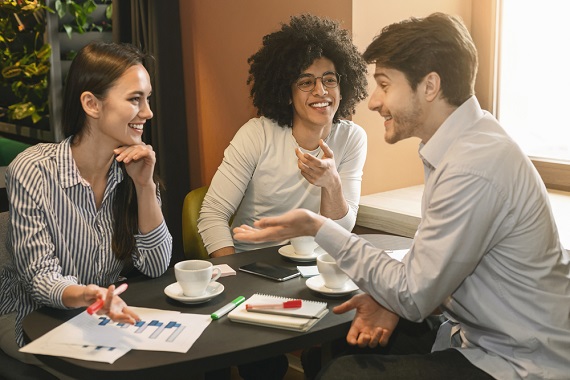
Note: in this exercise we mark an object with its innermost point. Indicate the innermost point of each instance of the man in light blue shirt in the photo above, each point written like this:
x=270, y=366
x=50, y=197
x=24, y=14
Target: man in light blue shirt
x=486, y=252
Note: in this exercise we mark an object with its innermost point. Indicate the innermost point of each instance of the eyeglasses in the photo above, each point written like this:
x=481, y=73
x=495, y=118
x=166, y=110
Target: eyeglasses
x=307, y=82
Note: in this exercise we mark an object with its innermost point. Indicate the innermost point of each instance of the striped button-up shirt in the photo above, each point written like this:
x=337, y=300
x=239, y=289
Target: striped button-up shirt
x=57, y=235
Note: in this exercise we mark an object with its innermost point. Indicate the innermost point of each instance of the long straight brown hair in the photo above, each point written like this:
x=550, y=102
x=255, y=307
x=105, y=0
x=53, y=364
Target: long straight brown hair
x=96, y=68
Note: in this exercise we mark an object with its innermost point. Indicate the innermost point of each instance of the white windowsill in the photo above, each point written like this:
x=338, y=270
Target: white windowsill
x=398, y=211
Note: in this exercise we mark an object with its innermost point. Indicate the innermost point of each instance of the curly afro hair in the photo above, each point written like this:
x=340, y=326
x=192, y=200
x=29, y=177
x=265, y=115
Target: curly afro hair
x=288, y=52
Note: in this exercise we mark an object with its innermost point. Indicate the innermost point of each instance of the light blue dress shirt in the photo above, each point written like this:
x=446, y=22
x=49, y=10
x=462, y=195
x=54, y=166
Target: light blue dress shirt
x=486, y=252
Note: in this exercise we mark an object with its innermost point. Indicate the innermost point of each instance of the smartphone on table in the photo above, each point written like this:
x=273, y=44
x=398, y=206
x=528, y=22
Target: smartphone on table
x=271, y=271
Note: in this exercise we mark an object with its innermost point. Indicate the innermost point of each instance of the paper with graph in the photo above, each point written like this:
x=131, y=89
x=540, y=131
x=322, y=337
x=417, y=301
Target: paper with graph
x=158, y=330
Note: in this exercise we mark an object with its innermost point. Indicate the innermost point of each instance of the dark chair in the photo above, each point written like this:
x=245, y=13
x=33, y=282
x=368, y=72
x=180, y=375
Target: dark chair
x=9, y=149
x=10, y=368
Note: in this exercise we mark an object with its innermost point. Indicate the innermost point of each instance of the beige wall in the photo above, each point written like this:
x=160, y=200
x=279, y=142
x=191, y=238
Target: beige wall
x=219, y=36
x=484, y=32
x=391, y=166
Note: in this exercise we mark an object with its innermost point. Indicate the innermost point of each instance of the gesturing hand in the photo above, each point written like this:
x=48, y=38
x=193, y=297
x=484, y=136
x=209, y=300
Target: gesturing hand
x=373, y=324
x=320, y=172
x=293, y=223
x=114, y=307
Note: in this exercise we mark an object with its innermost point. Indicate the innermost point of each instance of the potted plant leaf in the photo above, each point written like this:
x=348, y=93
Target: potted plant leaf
x=25, y=63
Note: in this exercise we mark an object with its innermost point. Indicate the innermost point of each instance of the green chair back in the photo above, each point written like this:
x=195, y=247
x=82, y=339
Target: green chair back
x=191, y=239
x=9, y=149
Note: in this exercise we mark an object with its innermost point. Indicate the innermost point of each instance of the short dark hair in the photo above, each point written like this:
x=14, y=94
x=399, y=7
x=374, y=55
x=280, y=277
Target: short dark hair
x=438, y=43
x=292, y=49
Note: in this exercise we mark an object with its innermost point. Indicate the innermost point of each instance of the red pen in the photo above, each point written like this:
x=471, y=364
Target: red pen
x=293, y=304
x=95, y=306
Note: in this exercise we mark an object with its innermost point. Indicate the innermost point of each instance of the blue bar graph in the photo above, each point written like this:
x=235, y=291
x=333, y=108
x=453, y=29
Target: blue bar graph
x=174, y=328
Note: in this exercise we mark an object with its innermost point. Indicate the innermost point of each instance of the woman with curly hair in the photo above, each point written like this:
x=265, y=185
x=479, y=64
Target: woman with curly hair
x=298, y=153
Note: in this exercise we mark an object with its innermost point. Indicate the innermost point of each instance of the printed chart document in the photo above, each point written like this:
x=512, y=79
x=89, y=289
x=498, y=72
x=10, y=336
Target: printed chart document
x=158, y=330
x=43, y=346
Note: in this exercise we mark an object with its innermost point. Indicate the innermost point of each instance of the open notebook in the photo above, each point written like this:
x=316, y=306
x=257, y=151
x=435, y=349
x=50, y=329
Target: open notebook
x=301, y=319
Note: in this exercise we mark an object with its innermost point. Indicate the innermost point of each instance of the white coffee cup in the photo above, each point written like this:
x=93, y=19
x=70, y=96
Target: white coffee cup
x=333, y=276
x=193, y=276
x=304, y=245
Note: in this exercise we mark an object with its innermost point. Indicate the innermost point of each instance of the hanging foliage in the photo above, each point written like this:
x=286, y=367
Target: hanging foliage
x=24, y=58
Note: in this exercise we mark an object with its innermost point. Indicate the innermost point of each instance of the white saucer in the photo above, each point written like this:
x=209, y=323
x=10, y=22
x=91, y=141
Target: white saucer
x=288, y=252
x=317, y=284
x=174, y=291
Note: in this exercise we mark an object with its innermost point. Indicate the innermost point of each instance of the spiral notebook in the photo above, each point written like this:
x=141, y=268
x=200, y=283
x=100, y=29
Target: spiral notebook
x=301, y=319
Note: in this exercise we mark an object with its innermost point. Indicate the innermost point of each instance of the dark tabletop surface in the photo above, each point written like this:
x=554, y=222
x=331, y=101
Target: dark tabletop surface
x=224, y=342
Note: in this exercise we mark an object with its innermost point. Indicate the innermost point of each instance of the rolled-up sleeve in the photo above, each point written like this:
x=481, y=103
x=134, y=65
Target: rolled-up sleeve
x=350, y=172
x=154, y=251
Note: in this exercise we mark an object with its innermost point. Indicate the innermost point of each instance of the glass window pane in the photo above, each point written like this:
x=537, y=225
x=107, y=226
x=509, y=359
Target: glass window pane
x=533, y=98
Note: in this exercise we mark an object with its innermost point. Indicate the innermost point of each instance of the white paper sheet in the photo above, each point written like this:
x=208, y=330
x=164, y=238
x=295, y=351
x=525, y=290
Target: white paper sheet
x=44, y=346
x=397, y=254
x=159, y=330
x=308, y=270
x=226, y=270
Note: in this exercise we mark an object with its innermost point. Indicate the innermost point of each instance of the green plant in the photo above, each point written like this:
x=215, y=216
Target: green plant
x=24, y=59
x=80, y=12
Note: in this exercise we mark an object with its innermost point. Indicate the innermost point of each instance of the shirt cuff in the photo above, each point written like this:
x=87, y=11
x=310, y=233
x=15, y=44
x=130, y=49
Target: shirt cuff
x=57, y=292
x=347, y=221
x=154, y=238
x=331, y=236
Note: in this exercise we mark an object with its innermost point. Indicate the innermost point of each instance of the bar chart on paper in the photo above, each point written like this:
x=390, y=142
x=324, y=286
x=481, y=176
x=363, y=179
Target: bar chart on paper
x=158, y=330
x=155, y=329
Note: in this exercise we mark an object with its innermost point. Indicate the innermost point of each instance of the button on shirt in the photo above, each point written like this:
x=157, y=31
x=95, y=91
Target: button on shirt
x=486, y=251
x=59, y=237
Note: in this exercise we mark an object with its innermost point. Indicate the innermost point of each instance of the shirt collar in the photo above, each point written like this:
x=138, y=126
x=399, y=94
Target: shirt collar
x=459, y=121
x=68, y=171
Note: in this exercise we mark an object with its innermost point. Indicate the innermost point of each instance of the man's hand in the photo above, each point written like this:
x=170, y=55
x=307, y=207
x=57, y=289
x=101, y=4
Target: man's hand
x=294, y=223
x=319, y=172
x=372, y=325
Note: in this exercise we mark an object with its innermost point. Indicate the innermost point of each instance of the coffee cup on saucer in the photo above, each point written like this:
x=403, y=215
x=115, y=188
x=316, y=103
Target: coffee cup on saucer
x=193, y=276
x=333, y=277
x=304, y=245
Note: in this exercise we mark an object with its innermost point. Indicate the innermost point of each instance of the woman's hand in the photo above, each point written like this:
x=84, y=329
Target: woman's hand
x=319, y=172
x=139, y=161
x=114, y=307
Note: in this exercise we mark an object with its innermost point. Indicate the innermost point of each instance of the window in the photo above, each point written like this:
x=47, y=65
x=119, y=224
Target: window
x=533, y=82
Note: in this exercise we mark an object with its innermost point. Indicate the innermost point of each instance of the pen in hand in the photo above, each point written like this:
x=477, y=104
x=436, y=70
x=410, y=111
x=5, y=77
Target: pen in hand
x=97, y=305
x=292, y=304
x=227, y=308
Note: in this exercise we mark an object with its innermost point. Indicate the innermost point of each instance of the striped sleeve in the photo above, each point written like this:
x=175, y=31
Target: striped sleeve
x=154, y=251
